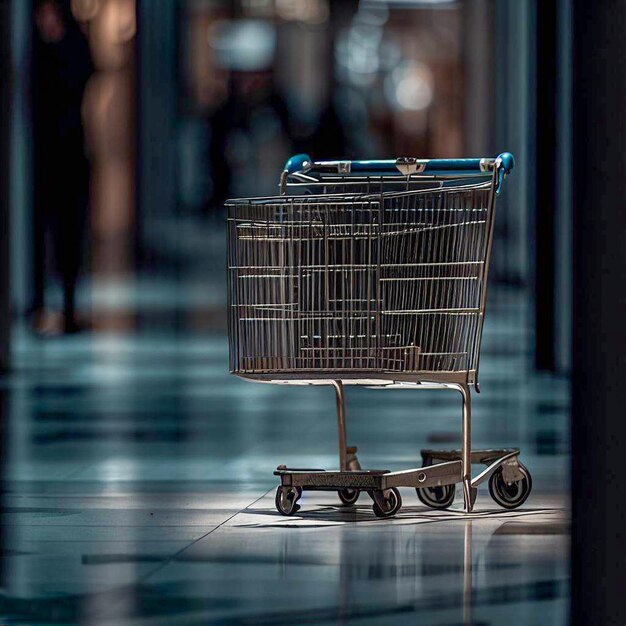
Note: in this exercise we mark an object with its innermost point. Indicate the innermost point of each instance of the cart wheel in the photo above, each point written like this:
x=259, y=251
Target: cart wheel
x=437, y=497
x=513, y=495
x=393, y=503
x=349, y=496
x=287, y=498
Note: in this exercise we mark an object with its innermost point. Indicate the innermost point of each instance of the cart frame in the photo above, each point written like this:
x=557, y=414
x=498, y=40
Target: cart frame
x=348, y=183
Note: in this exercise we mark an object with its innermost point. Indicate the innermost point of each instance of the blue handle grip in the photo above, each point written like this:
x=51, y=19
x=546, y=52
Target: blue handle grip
x=432, y=165
x=505, y=162
x=298, y=163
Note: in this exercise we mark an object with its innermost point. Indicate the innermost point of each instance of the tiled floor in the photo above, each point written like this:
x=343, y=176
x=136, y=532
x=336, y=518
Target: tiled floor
x=138, y=489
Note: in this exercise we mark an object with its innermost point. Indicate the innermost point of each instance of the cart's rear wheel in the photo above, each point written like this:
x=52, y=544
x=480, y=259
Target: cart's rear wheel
x=392, y=503
x=349, y=496
x=512, y=495
x=287, y=498
x=437, y=497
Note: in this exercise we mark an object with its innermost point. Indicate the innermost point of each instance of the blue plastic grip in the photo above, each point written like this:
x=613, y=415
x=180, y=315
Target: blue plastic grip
x=433, y=165
x=374, y=166
x=507, y=163
x=505, y=160
x=298, y=163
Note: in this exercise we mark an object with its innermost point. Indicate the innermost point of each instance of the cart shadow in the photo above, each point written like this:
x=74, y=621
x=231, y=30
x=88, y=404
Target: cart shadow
x=336, y=514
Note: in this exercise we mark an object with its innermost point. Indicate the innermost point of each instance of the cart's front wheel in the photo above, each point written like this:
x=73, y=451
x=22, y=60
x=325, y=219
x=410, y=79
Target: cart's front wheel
x=349, y=496
x=287, y=500
x=510, y=495
x=437, y=497
x=392, y=502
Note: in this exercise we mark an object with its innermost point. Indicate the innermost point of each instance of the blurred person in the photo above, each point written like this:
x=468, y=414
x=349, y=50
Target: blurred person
x=62, y=67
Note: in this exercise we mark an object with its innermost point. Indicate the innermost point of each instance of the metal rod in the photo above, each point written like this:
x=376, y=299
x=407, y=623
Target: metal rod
x=341, y=423
x=466, y=448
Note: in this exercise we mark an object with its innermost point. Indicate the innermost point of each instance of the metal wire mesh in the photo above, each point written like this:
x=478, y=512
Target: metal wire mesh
x=328, y=284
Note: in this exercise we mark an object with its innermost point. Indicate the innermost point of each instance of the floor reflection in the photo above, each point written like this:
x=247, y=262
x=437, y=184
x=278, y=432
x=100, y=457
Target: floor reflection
x=138, y=489
x=437, y=565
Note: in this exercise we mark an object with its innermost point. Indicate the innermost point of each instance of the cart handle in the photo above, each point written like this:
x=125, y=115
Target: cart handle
x=504, y=164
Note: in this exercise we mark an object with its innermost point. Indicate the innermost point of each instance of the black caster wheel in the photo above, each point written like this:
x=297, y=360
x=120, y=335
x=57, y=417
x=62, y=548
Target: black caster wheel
x=287, y=500
x=437, y=497
x=513, y=495
x=349, y=496
x=393, y=503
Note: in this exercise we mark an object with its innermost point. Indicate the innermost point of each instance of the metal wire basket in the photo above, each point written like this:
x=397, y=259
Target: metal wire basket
x=386, y=285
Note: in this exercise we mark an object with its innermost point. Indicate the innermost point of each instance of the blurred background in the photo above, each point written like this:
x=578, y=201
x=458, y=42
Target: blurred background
x=125, y=125
x=186, y=103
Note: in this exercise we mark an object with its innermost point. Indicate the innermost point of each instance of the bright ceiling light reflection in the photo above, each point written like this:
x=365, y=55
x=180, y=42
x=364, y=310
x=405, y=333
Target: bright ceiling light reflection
x=410, y=87
x=243, y=45
x=357, y=54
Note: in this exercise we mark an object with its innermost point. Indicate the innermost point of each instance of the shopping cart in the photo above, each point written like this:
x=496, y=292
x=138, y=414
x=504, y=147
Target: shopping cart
x=372, y=273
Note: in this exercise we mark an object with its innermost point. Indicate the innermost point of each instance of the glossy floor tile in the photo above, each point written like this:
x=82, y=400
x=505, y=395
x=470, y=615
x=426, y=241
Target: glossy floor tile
x=137, y=488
